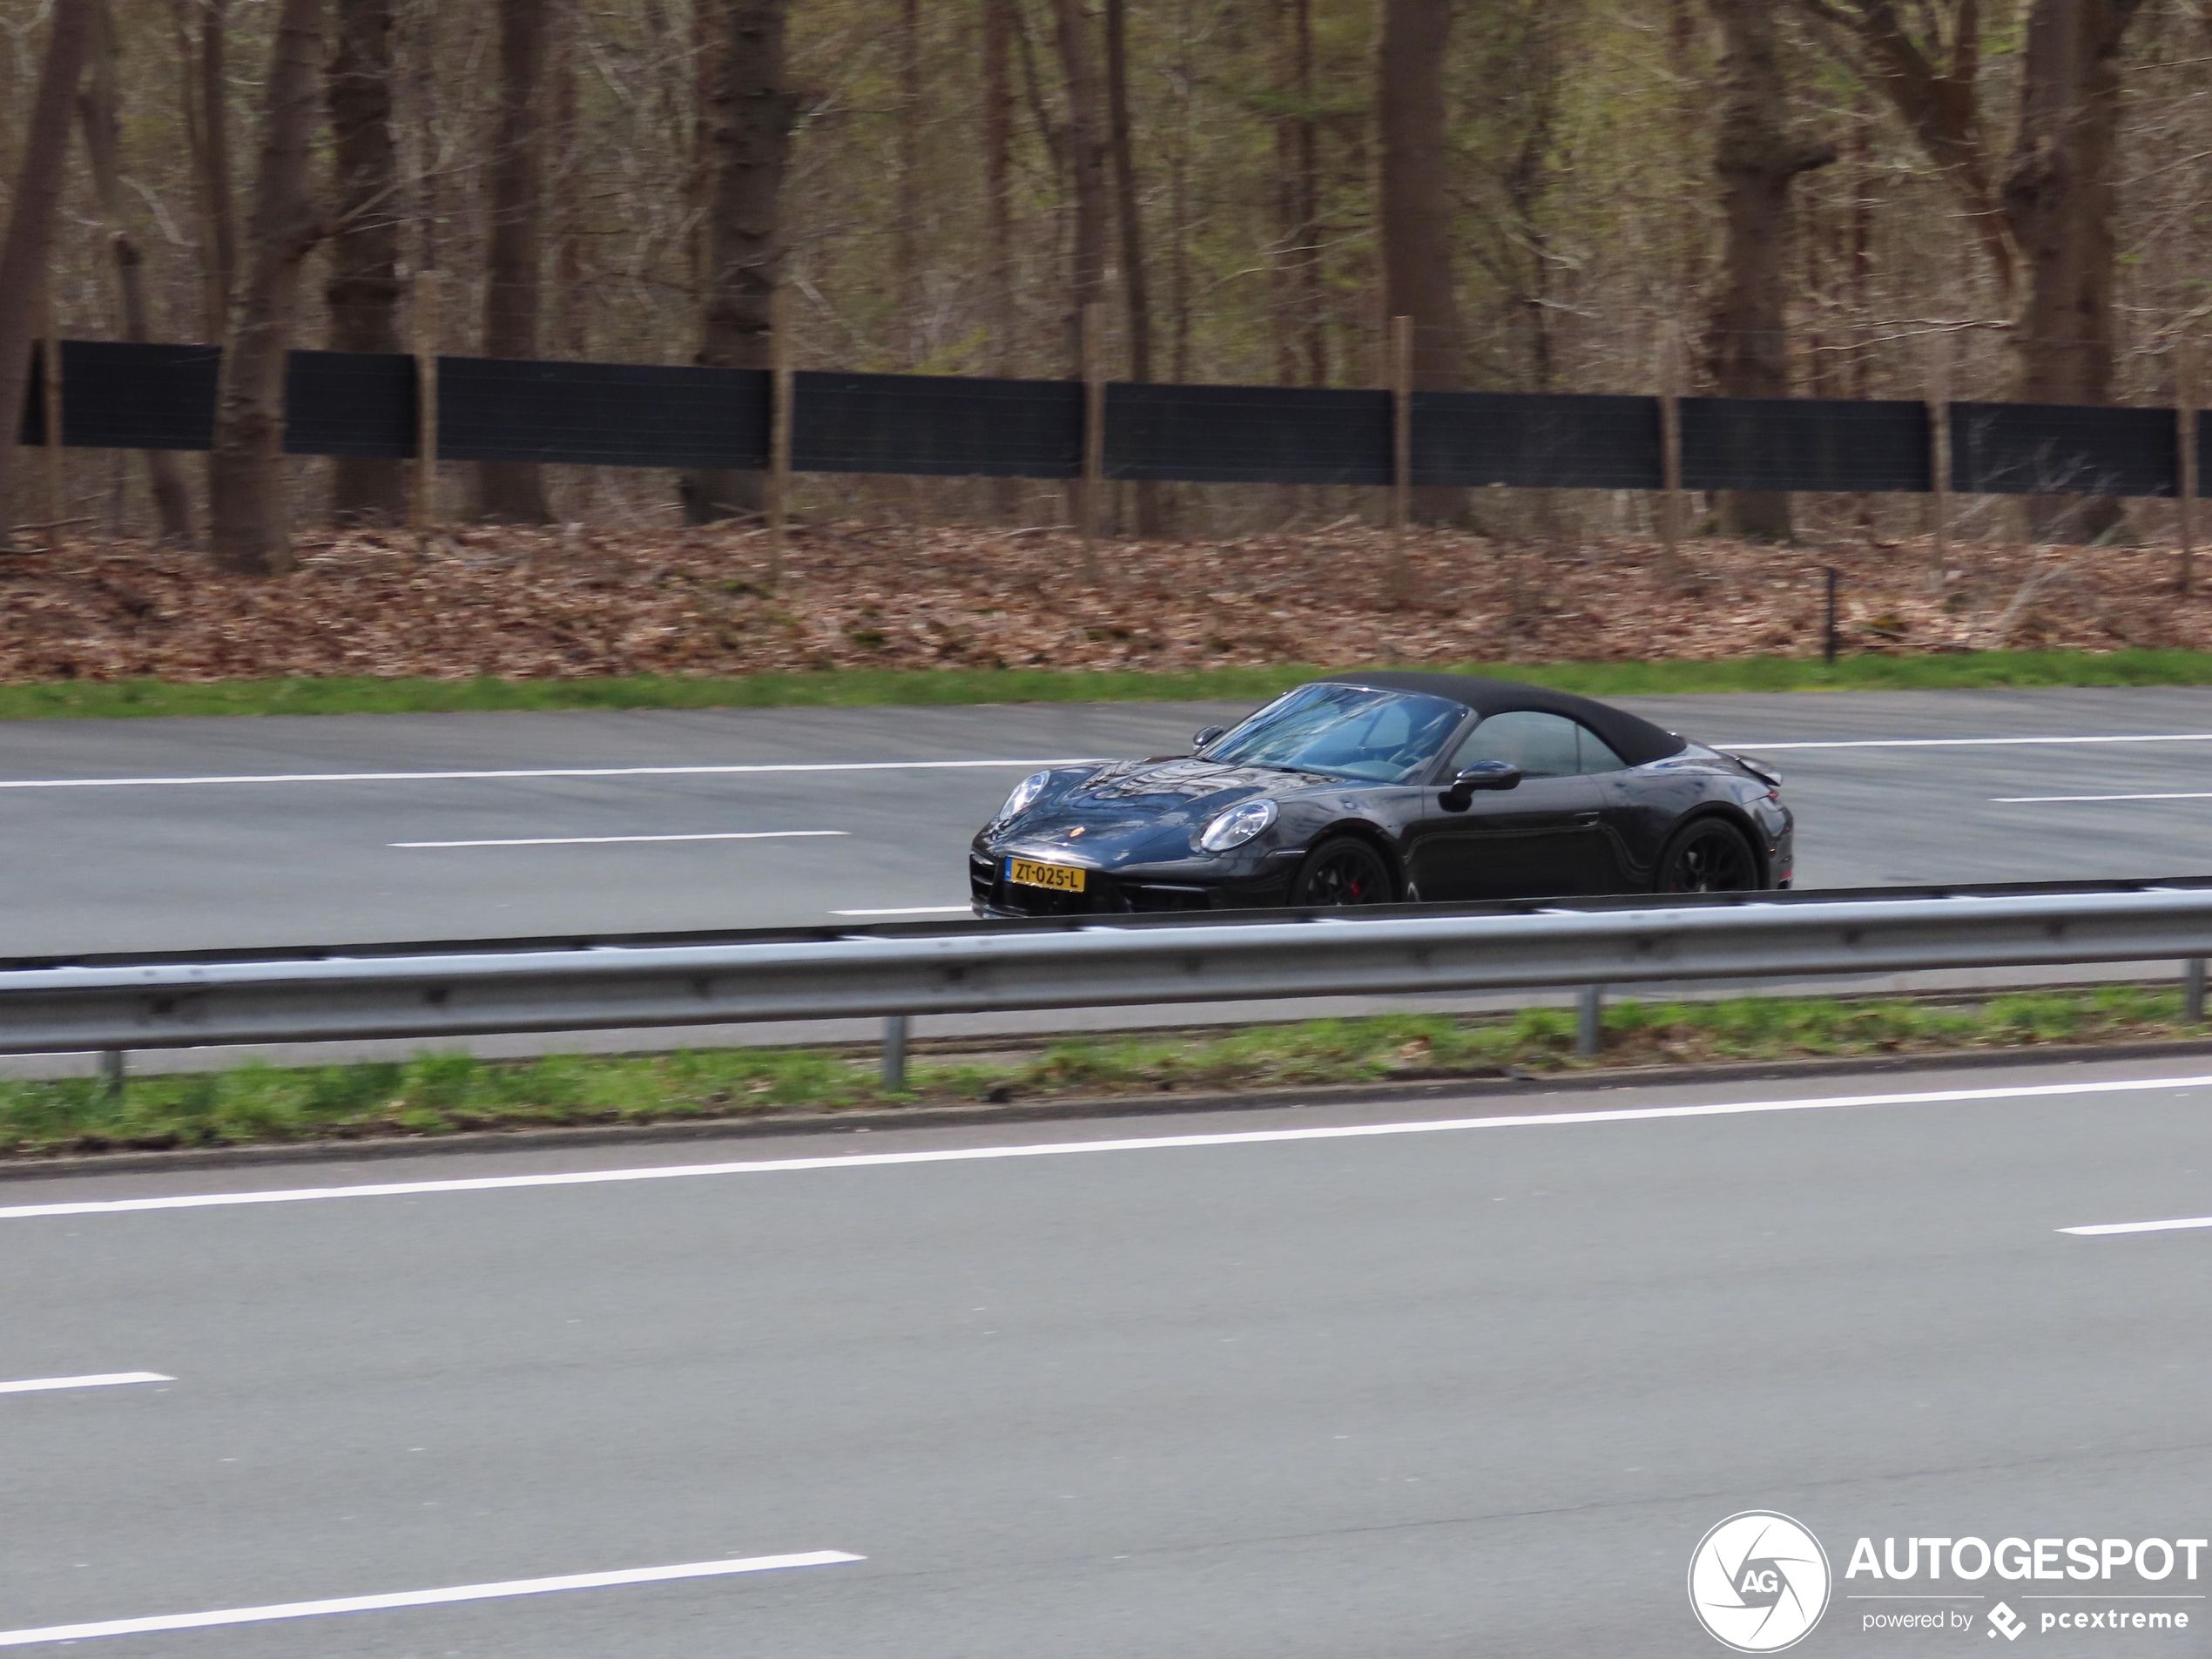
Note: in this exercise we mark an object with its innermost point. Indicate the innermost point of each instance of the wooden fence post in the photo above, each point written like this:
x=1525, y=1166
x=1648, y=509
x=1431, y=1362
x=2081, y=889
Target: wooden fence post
x=1094, y=477
x=1672, y=350
x=424, y=506
x=50, y=364
x=1399, y=579
x=2185, y=476
x=782, y=384
x=1938, y=402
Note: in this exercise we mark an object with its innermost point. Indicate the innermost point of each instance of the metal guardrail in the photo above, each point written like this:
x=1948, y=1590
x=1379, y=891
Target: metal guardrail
x=119, y=1004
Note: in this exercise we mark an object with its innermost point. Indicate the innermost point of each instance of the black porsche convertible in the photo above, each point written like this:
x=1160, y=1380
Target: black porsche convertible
x=1384, y=788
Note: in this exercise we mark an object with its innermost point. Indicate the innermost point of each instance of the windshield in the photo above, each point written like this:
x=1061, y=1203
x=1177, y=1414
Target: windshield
x=1346, y=732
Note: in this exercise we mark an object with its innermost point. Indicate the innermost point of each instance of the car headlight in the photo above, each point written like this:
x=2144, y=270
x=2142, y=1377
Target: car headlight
x=1237, y=826
x=1024, y=796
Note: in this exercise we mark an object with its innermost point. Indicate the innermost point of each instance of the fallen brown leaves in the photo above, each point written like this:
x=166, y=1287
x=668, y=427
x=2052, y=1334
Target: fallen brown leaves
x=574, y=603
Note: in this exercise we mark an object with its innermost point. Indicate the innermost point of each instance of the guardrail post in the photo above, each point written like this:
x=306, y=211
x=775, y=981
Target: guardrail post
x=894, y=1054
x=2193, y=990
x=112, y=1073
x=1589, y=1021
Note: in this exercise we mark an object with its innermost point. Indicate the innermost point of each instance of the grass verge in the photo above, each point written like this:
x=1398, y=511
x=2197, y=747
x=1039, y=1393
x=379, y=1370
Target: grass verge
x=860, y=687
x=442, y=1095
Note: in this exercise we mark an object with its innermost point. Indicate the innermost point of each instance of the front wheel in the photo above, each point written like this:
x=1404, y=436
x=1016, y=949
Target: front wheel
x=1345, y=871
x=1709, y=855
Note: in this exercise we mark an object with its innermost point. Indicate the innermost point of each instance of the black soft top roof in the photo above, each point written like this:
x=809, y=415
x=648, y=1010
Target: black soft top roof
x=1634, y=740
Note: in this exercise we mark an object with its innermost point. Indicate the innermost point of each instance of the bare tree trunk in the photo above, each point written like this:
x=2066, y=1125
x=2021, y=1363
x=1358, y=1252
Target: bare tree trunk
x=1815, y=237
x=1306, y=145
x=998, y=185
x=1185, y=75
x=205, y=103
x=699, y=177
x=571, y=311
x=1863, y=184
x=1939, y=101
x=1758, y=160
x=1282, y=314
x=36, y=206
x=1136, y=294
x=906, y=249
x=421, y=29
x=513, y=492
x=206, y=108
x=1087, y=141
x=250, y=528
x=750, y=132
x=571, y=321
x=364, y=289
x=1048, y=132
x=1418, y=279
x=100, y=110
x=2061, y=202
x=1536, y=71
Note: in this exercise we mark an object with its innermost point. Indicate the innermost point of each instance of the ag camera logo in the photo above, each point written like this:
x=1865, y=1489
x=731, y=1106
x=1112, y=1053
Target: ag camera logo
x=1758, y=1583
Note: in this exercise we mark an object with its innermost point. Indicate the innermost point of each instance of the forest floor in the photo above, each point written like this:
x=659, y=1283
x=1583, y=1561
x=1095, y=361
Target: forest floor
x=578, y=603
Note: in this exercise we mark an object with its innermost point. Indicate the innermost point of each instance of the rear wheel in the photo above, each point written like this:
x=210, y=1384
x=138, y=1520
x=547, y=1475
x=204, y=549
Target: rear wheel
x=1345, y=871
x=1709, y=855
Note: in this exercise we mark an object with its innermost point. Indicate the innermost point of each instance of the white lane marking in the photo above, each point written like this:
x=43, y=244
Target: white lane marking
x=104, y=1379
x=912, y=910
x=2051, y=801
x=421, y=1598
x=2111, y=1229
x=1065, y=1149
x=497, y=774
x=537, y=771
x=610, y=840
x=1754, y=749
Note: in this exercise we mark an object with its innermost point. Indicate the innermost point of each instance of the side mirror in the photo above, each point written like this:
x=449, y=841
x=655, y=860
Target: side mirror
x=1483, y=775
x=1205, y=735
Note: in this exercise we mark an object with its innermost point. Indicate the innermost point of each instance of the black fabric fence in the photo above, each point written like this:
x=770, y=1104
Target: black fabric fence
x=120, y=396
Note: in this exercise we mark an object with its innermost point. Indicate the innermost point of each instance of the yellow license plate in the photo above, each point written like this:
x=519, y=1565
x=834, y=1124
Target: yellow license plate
x=1060, y=878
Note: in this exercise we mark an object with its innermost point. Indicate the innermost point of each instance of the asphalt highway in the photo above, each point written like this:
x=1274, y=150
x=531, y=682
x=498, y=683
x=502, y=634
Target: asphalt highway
x=189, y=833
x=1263, y=1394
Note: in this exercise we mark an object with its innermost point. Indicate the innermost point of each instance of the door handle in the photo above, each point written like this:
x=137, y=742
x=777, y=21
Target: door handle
x=1584, y=820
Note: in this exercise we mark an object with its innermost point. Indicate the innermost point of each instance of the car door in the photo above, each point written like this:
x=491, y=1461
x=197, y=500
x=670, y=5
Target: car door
x=1536, y=840
x=1625, y=819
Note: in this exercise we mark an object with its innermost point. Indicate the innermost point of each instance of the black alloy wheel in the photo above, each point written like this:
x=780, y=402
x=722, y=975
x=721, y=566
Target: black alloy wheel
x=1345, y=871
x=1709, y=856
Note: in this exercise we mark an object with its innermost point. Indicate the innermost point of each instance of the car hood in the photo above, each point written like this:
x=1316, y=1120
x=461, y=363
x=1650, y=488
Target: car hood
x=1143, y=808
x=1181, y=790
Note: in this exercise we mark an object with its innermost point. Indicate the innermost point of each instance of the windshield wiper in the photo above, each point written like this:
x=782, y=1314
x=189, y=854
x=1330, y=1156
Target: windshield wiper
x=1277, y=765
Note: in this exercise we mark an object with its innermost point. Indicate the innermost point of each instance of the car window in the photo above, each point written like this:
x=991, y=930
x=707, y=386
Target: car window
x=1346, y=731
x=1542, y=745
x=1595, y=755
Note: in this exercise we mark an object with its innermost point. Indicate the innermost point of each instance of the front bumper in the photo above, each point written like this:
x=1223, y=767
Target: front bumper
x=1780, y=825
x=1140, y=889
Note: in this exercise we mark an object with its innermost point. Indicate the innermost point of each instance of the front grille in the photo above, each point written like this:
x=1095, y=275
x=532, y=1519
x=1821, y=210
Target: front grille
x=1161, y=896
x=1099, y=896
